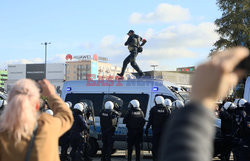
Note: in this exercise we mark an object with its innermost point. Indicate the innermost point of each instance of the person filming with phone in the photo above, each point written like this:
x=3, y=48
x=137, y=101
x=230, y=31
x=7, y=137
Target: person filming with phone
x=25, y=133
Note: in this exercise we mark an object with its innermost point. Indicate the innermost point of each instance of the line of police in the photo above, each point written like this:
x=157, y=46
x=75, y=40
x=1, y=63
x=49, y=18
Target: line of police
x=235, y=130
x=134, y=119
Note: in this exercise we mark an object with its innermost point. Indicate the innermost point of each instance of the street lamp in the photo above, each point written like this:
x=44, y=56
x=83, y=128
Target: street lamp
x=45, y=61
x=154, y=66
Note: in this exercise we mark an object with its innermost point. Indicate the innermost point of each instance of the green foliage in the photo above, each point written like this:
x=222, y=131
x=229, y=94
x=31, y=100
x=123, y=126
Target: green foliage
x=234, y=25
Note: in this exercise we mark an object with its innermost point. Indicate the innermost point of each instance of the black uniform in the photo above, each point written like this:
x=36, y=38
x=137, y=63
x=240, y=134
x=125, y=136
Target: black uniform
x=77, y=140
x=134, y=120
x=242, y=148
x=64, y=143
x=133, y=43
x=157, y=118
x=108, y=120
x=227, y=117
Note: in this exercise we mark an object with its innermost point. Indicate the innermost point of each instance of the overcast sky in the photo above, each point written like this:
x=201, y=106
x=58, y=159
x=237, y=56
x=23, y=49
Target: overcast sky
x=179, y=32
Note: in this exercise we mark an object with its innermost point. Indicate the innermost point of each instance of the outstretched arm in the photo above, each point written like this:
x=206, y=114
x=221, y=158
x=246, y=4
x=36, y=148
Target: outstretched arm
x=143, y=42
x=191, y=131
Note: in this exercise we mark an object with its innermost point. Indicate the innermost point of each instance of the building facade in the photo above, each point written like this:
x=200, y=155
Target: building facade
x=180, y=78
x=83, y=67
x=3, y=78
x=55, y=73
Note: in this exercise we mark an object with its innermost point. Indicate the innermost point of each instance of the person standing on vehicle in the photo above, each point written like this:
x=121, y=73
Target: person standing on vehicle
x=134, y=48
x=134, y=120
x=109, y=120
x=227, y=117
x=78, y=133
x=157, y=118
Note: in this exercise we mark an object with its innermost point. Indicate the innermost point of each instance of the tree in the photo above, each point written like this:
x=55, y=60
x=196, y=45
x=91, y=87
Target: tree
x=234, y=25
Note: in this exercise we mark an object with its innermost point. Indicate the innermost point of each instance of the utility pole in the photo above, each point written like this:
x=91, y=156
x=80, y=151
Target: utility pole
x=154, y=66
x=45, y=61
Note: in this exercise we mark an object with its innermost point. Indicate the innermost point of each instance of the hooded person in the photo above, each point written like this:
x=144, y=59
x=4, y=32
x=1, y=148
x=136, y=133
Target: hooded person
x=134, y=120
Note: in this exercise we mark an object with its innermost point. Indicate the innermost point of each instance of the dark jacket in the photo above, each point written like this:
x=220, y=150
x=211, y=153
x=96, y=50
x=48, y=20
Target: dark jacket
x=157, y=118
x=189, y=135
x=134, y=119
x=79, y=124
x=108, y=120
x=133, y=42
x=227, y=117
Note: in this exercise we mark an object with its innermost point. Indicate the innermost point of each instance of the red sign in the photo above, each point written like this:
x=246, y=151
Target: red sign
x=69, y=57
x=95, y=57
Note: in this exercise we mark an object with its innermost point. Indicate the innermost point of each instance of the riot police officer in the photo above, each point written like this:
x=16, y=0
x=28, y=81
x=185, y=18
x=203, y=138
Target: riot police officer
x=227, y=116
x=242, y=125
x=177, y=104
x=134, y=120
x=64, y=140
x=157, y=118
x=78, y=133
x=168, y=104
x=109, y=120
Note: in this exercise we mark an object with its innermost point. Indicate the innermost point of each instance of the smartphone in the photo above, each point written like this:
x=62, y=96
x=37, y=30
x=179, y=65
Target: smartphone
x=244, y=64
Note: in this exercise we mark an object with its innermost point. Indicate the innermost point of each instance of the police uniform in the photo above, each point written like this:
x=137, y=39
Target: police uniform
x=157, y=118
x=76, y=136
x=64, y=143
x=242, y=149
x=133, y=43
x=227, y=117
x=134, y=120
x=108, y=120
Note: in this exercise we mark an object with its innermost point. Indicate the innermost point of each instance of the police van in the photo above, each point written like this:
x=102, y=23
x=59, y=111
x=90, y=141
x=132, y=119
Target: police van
x=247, y=90
x=96, y=92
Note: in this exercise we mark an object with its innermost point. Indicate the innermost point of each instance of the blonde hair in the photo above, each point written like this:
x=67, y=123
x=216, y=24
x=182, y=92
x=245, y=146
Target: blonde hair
x=20, y=116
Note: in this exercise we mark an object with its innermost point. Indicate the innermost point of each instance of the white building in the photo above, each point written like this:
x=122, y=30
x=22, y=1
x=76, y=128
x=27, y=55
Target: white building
x=55, y=73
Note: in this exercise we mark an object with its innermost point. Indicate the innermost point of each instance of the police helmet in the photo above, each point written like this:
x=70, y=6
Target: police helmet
x=168, y=102
x=159, y=100
x=178, y=104
x=81, y=106
x=242, y=102
x=134, y=103
x=50, y=112
x=68, y=104
x=228, y=105
x=109, y=105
